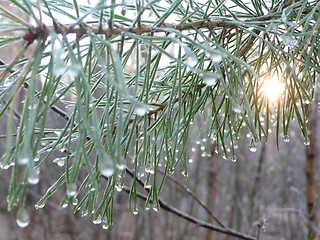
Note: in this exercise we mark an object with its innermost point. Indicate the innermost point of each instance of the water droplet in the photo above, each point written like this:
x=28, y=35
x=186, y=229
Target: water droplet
x=105, y=226
x=233, y=158
x=306, y=141
x=71, y=189
x=156, y=207
x=203, y=148
x=33, y=176
x=98, y=220
x=23, y=218
x=191, y=61
x=59, y=68
x=215, y=55
x=135, y=211
x=40, y=205
x=24, y=160
x=8, y=82
x=121, y=166
x=252, y=147
x=140, y=111
x=75, y=201
x=210, y=79
x=64, y=205
x=190, y=160
x=74, y=70
x=193, y=149
x=84, y=213
x=118, y=187
x=286, y=138
x=60, y=161
x=184, y=173
x=289, y=40
x=107, y=168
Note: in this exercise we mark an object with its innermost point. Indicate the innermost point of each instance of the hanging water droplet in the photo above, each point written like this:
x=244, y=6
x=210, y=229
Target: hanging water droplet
x=60, y=161
x=40, y=205
x=107, y=168
x=71, y=189
x=118, y=187
x=33, y=176
x=74, y=70
x=190, y=160
x=84, y=213
x=252, y=147
x=156, y=207
x=191, y=60
x=23, y=218
x=215, y=55
x=140, y=111
x=210, y=79
x=121, y=166
x=98, y=220
x=233, y=158
x=289, y=40
x=75, y=201
x=105, y=226
x=306, y=141
x=286, y=138
x=23, y=160
x=135, y=211
x=64, y=205
x=8, y=82
x=184, y=173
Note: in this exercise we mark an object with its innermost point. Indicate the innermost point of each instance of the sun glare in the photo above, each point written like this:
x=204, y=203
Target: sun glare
x=272, y=89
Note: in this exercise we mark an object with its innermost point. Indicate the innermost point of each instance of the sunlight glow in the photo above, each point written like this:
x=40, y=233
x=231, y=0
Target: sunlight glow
x=272, y=89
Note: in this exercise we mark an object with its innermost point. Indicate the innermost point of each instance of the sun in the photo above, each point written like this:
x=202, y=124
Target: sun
x=272, y=88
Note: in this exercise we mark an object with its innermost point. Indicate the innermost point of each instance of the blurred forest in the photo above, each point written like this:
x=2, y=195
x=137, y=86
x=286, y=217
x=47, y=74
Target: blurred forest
x=265, y=190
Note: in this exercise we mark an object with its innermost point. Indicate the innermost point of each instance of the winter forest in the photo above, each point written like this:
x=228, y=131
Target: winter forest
x=159, y=119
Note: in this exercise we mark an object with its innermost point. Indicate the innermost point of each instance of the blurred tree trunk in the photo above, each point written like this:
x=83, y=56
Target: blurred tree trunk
x=212, y=187
x=310, y=169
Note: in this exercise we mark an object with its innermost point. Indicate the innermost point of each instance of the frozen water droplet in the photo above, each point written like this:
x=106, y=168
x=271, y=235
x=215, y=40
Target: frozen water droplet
x=306, y=141
x=289, y=40
x=33, y=176
x=191, y=61
x=98, y=220
x=135, y=211
x=71, y=189
x=233, y=159
x=210, y=79
x=286, y=138
x=23, y=218
x=140, y=111
x=215, y=55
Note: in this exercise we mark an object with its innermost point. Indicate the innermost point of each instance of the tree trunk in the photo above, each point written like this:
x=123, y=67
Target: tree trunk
x=212, y=187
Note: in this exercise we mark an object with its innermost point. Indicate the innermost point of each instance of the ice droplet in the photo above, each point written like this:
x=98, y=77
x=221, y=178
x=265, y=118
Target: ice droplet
x=23, y=218
x=156, y=207
x=215, y=55
x=71, y=189
x=191, y=61
x=105, y=226
x=289, y=40
x=210, y=79
x=140, y=111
